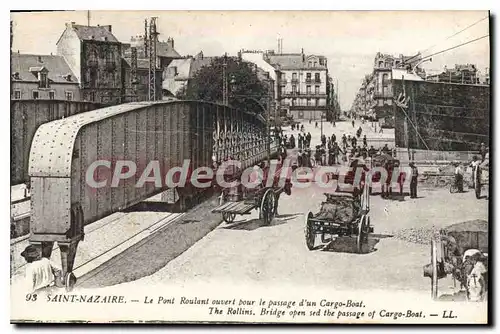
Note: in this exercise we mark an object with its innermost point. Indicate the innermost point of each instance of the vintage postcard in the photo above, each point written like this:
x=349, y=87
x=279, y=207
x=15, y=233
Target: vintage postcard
x=250, y=167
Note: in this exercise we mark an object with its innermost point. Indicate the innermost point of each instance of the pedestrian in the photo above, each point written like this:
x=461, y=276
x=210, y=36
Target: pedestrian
x=352, y=123
x=334, y=138
x=482, y=151
x=300, y=141
x=372, y=152
x=365, y=141
x=308, y=140
x=459, y=177
x=316, y=125
x=385, y=149
x=292, y=141
x=413, y=182
x=474, y=164
x=41, y=275
x=354, y=141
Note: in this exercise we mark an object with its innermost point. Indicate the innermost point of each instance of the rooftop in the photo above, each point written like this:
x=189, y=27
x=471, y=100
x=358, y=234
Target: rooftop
x=99, y=33
x=26, y=66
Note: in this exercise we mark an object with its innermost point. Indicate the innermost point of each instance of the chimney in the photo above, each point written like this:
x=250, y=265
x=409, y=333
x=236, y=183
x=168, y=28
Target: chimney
x=170, y=42
x=40, y=59
x=109, y=28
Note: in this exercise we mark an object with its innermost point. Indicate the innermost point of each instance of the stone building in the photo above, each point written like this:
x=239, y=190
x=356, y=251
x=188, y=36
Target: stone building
x=94, y=55
x=165, y=51
x=136, y=88
x=302, y=84
x=45, y=77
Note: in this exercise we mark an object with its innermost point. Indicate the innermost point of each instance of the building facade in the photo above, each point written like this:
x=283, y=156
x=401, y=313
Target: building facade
x=375, y=97
x=45, y=77
x=94, y=55
x=135, y=84
x=302, y=83
x=165, y=51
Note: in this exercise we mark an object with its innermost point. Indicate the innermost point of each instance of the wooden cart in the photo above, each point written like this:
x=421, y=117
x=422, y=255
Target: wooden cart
x=238, y=200
x=327, y=221
x=447, y=255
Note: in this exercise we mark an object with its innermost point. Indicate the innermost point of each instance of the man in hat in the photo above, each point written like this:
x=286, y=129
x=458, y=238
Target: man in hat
x=40, y=274
x=413, y=182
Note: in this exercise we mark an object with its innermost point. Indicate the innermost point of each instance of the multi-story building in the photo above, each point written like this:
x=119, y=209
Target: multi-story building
x=302, y=84
x=94, y=55
x=268, y=73
x=165, y=51
x=464, y=74
x=45, y=77
x=375, y=96
x=135, y=84
x=179, y=72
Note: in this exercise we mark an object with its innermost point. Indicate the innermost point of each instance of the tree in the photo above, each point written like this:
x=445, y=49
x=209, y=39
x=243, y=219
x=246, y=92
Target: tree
x=244, y=86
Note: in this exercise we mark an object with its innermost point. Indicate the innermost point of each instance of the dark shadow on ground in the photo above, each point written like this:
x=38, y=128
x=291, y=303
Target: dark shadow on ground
x=152, y=206
x=348, y=244
x=253, y=224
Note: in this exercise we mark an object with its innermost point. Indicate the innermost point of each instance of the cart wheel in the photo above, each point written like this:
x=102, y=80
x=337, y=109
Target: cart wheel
x=226, y=217
x=267, y=206
x=69, y=281
x=363, y=230
x=434, y=264
x=309, y=231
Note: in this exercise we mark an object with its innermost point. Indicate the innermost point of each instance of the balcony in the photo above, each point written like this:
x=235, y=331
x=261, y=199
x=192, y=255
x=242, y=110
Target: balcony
x=283, y=81
x=295, y=81
x=309, y=80
x=317, y=80
x=302, y=94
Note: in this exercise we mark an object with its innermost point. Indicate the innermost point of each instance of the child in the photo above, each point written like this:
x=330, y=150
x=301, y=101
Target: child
x=41, y=274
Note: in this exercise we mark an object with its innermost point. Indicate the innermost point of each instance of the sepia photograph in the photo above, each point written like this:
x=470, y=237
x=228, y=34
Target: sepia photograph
x=239, y=167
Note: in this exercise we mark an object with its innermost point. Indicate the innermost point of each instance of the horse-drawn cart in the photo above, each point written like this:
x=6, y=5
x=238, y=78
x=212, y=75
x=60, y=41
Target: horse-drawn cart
x=342, y=214
x=461, y=250
x=239, y=200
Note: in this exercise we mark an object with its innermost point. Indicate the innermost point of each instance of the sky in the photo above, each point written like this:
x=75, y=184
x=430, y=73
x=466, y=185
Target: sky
x=349, y=39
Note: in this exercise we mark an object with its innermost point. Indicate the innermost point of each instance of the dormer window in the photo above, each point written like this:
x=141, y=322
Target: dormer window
x=43, y=80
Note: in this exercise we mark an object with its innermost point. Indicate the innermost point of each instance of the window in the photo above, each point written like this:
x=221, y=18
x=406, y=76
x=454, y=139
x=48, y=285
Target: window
x=316, y=90
x=282, y=90
x=43, y=80
x=309, y=102
x=315, y=64
x=294, y=76
x=317, y=102
x=316, y=77
x=308, y=89
x=17, y=95
x=294, y=89
x=294, y=101
x=69, y=95
x=310, y=63
x=35, y=95
x=308, y=77
x=381, y=63
x=52, y=95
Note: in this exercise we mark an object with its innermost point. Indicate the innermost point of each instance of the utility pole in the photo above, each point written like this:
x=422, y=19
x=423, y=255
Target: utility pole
x=133, y=72
x=153, y=37
x=88, y=18
x=225, y=98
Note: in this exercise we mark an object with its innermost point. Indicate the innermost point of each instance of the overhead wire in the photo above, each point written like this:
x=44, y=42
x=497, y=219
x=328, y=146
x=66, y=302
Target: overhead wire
x=447, y=38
